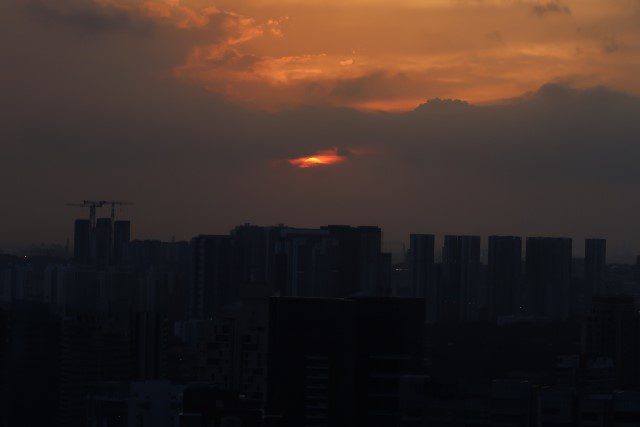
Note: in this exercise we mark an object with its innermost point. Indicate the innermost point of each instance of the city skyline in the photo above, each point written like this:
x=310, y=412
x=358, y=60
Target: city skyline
x=398, y=248
x=320, y=213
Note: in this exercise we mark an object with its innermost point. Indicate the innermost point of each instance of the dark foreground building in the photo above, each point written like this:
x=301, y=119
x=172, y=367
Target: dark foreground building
x=341, y=362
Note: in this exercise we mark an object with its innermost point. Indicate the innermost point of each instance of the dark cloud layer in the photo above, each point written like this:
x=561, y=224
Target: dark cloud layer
x=109, y=121
x=81, y=15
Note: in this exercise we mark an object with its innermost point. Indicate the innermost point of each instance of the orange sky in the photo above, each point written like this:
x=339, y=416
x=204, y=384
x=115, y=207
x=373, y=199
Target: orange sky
x=394, y=55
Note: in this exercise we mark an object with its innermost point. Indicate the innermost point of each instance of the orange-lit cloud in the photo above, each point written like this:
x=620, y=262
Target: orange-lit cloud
x=375, y=54
x=182, y=14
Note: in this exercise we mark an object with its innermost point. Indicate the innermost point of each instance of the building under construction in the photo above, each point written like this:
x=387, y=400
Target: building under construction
x=100, y=241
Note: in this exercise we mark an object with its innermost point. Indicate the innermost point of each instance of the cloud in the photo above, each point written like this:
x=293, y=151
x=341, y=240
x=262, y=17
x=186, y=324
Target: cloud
x=550, y=7
x=610, y=45
x=82, y=15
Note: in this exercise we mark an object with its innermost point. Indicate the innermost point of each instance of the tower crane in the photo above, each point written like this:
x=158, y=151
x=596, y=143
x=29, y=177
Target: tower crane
x=93, y=205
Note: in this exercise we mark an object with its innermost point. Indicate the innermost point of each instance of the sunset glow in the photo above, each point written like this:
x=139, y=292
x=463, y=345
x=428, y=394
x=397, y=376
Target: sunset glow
x=321, y=158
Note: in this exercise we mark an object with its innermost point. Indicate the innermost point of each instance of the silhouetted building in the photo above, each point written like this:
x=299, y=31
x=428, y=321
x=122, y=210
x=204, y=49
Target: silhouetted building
x=150, y=338
x=83, y=242
x=144, y=403
x=121, y=238
x=210, y=284
x=370, y=251
x=311, y=356
x=385, y=275
x=460, y=281
x=333, y=261
x=504, y=272
x=421, y=262
x=548, y=273
x=357, y=259
x=250, y=249
x=514, y=404
x=205, y=405
x=613, y=330
x=595, y=256
x=30, y=370
x=307, y=260
x=340, y=362
x=104, y=241
x=92, y=349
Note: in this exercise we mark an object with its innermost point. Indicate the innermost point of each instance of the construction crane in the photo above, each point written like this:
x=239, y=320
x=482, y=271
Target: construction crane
x=93, y=205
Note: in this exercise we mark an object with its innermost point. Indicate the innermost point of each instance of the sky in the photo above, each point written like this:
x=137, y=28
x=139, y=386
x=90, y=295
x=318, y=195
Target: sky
x=438, y=116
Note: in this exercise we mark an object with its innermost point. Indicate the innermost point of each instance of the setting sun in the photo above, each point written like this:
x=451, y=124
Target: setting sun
x=322, y=158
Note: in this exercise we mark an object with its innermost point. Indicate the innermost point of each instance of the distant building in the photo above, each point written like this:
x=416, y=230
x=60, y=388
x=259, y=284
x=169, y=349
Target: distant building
x=595, y=257
x=121, y=238
x=370, y=257
x=460, y=281
x=332, y=261
x=210, y=287
x=250, y=254
x=504, y=272
x=421, y=261
x=548, y=274
x=83, y=242
x=104, y=241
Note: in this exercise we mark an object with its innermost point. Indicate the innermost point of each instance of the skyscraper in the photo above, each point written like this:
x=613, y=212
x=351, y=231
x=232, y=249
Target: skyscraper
x=595, y=265
x=504, y=273
x=250, y=254
x=422, y=272
x=459, y=292
x=104, y=241
x=548, y=274
x=421, y=260
x=358, y=259
x=370, y=257
x=83, y=241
